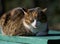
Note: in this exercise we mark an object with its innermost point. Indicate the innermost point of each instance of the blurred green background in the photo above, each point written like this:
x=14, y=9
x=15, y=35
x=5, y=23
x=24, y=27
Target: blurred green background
x=53, y=7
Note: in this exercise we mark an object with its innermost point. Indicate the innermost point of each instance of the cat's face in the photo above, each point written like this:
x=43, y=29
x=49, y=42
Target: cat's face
x=34, y=17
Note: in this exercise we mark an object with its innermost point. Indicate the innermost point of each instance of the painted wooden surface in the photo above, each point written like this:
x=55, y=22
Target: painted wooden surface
x=28, y=40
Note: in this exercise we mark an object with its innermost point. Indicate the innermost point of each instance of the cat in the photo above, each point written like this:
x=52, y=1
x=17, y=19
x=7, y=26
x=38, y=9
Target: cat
x=24, y=22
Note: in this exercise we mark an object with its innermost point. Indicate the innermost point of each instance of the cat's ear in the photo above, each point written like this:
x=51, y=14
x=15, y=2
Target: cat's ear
x=39, y=9
x=25, y=11
x=44, y=10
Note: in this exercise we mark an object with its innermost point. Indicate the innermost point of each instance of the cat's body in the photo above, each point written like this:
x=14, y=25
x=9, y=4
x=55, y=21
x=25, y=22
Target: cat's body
x=24, y=23
x=12, y=23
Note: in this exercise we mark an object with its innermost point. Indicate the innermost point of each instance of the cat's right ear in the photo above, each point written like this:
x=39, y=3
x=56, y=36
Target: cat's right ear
x=44, y=10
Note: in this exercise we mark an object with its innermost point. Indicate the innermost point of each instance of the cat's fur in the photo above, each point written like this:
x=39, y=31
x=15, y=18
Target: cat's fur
x=24, y=23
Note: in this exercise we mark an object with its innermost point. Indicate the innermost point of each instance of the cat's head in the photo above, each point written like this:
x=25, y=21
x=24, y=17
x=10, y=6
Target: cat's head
x=34, y=16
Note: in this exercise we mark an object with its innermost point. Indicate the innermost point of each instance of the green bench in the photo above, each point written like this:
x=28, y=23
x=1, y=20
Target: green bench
x=53, y=35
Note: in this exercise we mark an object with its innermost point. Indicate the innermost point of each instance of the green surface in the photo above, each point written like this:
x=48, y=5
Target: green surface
x=54, y=32
x=28, y=40
x=4, y=42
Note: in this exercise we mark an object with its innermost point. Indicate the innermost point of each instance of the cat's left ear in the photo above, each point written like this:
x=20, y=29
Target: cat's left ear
x=39, y=9
x=44, y=10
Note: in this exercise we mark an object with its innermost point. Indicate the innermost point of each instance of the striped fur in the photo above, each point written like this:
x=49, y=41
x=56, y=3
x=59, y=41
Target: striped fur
x=12, y=22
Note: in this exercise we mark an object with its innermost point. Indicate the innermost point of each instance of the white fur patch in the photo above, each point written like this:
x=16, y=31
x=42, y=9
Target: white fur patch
x=34, y=24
